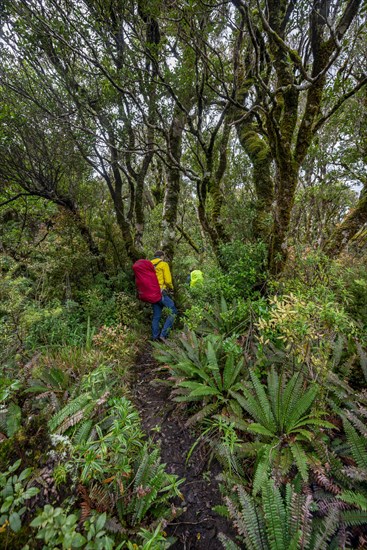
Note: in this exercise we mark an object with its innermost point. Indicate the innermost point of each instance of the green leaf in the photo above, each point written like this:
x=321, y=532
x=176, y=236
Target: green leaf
x=101, y=521
x=15, y=466
x=6, y=504
x=31, y=492
x=78, y=540
x=14, y=521
x=24, y=474
x=260, y=429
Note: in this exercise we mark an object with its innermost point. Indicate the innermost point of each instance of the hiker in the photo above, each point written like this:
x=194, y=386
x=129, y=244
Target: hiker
x=165, y=282
x=195, y=278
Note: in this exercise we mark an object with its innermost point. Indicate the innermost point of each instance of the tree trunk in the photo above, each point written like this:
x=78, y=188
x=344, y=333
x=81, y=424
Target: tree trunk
x=286, y=186
x=260, y=155
x=349, y=227
x=172, y=191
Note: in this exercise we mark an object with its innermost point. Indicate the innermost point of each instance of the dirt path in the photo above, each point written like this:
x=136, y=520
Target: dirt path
x=198, y=526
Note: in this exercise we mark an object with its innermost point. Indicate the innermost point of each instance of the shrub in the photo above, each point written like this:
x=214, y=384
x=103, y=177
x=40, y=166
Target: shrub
x=306, y=328
x=53, y=325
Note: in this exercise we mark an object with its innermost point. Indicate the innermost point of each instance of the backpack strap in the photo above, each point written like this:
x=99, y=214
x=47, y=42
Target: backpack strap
x=155, y=265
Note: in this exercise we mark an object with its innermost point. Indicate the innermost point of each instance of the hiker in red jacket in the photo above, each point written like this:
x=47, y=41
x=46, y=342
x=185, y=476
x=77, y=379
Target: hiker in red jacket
x=153, y=288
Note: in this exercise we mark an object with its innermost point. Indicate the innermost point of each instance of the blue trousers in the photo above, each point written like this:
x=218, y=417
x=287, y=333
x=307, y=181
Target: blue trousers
x=167, y=302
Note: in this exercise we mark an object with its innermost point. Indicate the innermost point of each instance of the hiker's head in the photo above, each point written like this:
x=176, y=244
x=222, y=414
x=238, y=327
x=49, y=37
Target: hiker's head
x=159, y=254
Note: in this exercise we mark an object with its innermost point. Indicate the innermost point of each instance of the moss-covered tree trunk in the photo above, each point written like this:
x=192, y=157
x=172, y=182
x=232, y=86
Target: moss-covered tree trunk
x=173, y=185
x=215, y=188
x=261, y=158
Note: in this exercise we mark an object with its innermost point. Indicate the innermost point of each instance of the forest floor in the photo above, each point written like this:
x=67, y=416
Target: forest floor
x=197, y=527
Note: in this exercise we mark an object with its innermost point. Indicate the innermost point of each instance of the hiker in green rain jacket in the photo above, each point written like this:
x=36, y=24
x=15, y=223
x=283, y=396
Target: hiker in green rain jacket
x=195, y=278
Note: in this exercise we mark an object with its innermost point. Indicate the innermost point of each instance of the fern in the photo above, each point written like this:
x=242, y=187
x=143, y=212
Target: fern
x=356, y=499
x=280, y=522
x=262, y=468
x=203, y=371
x=263, y=402
x=251, y=520
x=275, y=516
x=228, y=544
x=357, y=444
x=73, y=407
x=363, y=359
x=283, y=423
x=83, y=432
x=150, y=479
x=354, y=517
x=300, y=458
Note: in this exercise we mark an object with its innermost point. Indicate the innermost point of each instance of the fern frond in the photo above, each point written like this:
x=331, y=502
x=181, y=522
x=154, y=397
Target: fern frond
x=300, y=518
x=70, y=409
x=354, y=517
x=357, y=423
x=324, y=481
x=206, y=411
x=363, y=359
x=275, y=515
x=262, y=468
x=273, y=391
x=326, y=531
x=213, y=365
x=357, y=444
x=227, y=543
x=263, y=401
x=289, y=398
x=251, y=523
x=83, y=432
x=249, y=404
x=300, y=407
x=228, y=372
x=356, y=499
x=300, y=458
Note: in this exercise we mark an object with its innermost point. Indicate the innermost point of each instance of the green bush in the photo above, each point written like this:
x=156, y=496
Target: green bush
x=244, y=268
x=55, y=325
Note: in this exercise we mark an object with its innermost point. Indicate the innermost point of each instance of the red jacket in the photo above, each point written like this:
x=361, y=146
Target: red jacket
x=146, y=281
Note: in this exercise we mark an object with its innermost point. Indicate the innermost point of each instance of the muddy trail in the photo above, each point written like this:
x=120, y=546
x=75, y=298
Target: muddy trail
x=198, y=526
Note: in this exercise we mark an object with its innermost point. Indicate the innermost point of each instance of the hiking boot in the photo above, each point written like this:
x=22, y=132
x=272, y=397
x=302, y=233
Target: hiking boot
x=162, y=339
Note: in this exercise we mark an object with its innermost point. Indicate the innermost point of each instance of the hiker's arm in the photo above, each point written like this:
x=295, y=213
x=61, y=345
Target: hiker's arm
x=167, y=276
